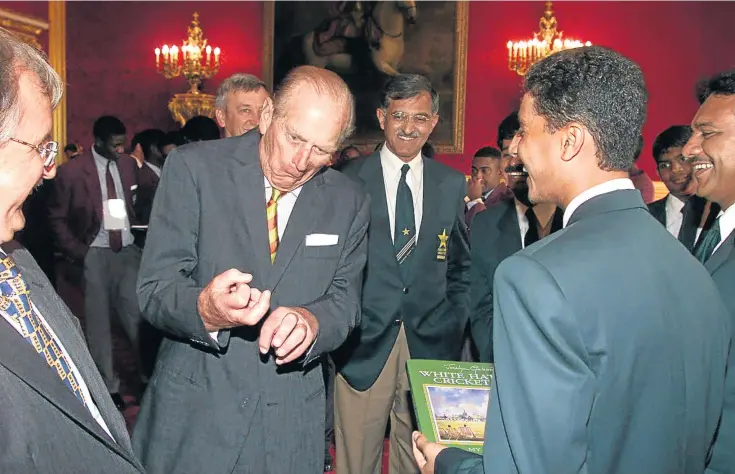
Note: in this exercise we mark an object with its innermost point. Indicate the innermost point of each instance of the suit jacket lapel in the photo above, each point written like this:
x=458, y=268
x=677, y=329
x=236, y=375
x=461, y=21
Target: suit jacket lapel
x=127, y=180
x=721, y=254
x=24, y=362
x=509, y=231
x=381, y=240
x=305, y=214
x=248, y=182
x=92, y=182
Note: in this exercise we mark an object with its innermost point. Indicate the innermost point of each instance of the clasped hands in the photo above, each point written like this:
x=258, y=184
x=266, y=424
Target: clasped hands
x=229, y=301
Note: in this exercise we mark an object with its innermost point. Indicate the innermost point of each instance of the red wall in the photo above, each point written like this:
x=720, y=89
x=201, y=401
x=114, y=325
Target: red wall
x=110, y=56
x=111, y=64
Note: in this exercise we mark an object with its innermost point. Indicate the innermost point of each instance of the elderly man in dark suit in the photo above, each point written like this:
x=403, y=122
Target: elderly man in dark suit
x=606, y=359
x=91, y=211
x=416, y=286
x=712, y=150
x=56, y=414
x=253, y=270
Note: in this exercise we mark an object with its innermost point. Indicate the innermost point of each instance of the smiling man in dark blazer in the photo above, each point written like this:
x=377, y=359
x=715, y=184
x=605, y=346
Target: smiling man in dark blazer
x=711, y=148
x=55, y=415
x=253, y=270
x=607, y=360
x=414, y=302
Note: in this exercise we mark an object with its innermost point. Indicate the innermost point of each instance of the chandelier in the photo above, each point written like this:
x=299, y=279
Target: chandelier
x=524, y=54
x=196, y=61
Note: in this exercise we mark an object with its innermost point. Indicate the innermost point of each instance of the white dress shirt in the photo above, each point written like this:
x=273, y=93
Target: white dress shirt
x=284, y=207
x=523, y=223
x=603, y=188
x=93, y=410
x=392, y=176
x=727, y=224
x=674, y=214
x=483, y=198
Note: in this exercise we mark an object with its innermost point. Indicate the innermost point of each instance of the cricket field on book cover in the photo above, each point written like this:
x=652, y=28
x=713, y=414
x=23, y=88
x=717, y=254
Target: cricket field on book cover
x=451, y=400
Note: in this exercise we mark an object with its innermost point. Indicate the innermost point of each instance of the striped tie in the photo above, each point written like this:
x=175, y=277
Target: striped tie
x=15, y=301
x=271, y=215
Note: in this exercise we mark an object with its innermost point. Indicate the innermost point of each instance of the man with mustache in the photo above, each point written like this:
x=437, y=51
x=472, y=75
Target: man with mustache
x=712, y=150
x=606, y=360
x=497, y=233
x=681, y=211
x=415, y=292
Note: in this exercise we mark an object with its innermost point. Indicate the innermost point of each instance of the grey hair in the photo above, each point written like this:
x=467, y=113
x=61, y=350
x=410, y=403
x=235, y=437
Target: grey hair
x=16, y=57
x=235, y=83
x=408, y=86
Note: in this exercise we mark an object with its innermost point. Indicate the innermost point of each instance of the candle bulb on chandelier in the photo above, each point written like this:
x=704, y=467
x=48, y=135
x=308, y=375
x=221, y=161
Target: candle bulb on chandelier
x=209, y=52
x=216, y=56
x=158, y=57
x=174, y=56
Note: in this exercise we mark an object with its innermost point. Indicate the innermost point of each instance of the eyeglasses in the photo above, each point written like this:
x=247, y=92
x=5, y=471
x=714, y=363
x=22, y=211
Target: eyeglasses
x=48, y=151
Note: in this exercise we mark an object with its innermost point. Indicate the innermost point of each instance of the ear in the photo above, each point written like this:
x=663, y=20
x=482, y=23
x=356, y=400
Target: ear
x=266, y=116
x=434, y=121
x=220, y=116
x=381, y=117
x=572, y=140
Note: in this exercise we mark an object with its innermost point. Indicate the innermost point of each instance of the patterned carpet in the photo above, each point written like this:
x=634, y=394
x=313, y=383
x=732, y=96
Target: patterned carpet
x=70, y=291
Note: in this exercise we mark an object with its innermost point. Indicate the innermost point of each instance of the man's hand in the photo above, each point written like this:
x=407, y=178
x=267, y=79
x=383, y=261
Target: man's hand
x=228, y=301
x=425, y=453
x=474, y=187
x=290, y=332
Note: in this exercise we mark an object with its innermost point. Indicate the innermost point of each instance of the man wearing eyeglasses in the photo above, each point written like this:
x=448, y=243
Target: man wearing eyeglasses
x=56, y=414
x=682, y=212
x=415, y=292
x=92, y=209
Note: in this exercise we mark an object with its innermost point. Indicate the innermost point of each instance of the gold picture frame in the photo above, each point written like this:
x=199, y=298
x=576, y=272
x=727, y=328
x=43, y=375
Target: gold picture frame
x=29, y=29
x=447, y=137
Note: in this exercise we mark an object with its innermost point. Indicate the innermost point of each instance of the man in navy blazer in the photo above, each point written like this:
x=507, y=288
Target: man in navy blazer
x=606, y=359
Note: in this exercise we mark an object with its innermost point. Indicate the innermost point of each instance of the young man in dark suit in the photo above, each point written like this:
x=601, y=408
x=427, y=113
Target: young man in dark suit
x=498, y=232
x=56, y=414
x=414, y=302
x=712, y=150
x=682, y=213
x=91, y=210
x=597, y=369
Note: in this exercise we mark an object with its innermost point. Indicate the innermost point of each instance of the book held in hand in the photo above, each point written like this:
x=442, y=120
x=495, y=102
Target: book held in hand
x=451, y=400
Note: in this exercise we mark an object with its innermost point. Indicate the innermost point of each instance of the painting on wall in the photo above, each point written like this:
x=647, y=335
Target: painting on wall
x=368, y=42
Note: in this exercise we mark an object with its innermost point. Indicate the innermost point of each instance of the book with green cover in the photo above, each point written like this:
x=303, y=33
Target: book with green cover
x=451, y=400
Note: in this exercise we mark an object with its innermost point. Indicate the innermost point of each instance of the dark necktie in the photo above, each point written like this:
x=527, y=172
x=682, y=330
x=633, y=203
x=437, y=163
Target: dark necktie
x=115, y=236
x=532, y=233
x=709, y=242
x=404, y=238
x=15, y=301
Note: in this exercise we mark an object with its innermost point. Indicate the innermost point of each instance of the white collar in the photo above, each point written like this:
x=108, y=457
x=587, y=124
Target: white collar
x=727, y=222
x=594, y=191
x=392, y=164
x=674, y=204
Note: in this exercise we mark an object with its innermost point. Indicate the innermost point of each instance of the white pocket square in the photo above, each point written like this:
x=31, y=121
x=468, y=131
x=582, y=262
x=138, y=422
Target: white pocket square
x=134, y=187
x=321, y=240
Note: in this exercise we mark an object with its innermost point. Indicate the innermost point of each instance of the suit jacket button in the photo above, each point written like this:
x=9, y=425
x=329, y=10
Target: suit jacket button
x=397, y=322
x=405, y=291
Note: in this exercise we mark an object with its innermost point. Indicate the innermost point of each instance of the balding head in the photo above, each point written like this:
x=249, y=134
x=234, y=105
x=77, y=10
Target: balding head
x=326, y=84
x=312, y=113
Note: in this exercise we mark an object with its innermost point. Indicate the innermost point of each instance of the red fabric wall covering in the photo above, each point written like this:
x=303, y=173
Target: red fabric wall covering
x=110, y=56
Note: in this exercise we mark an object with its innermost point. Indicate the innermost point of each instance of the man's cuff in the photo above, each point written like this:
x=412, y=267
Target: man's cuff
x=449, y=459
